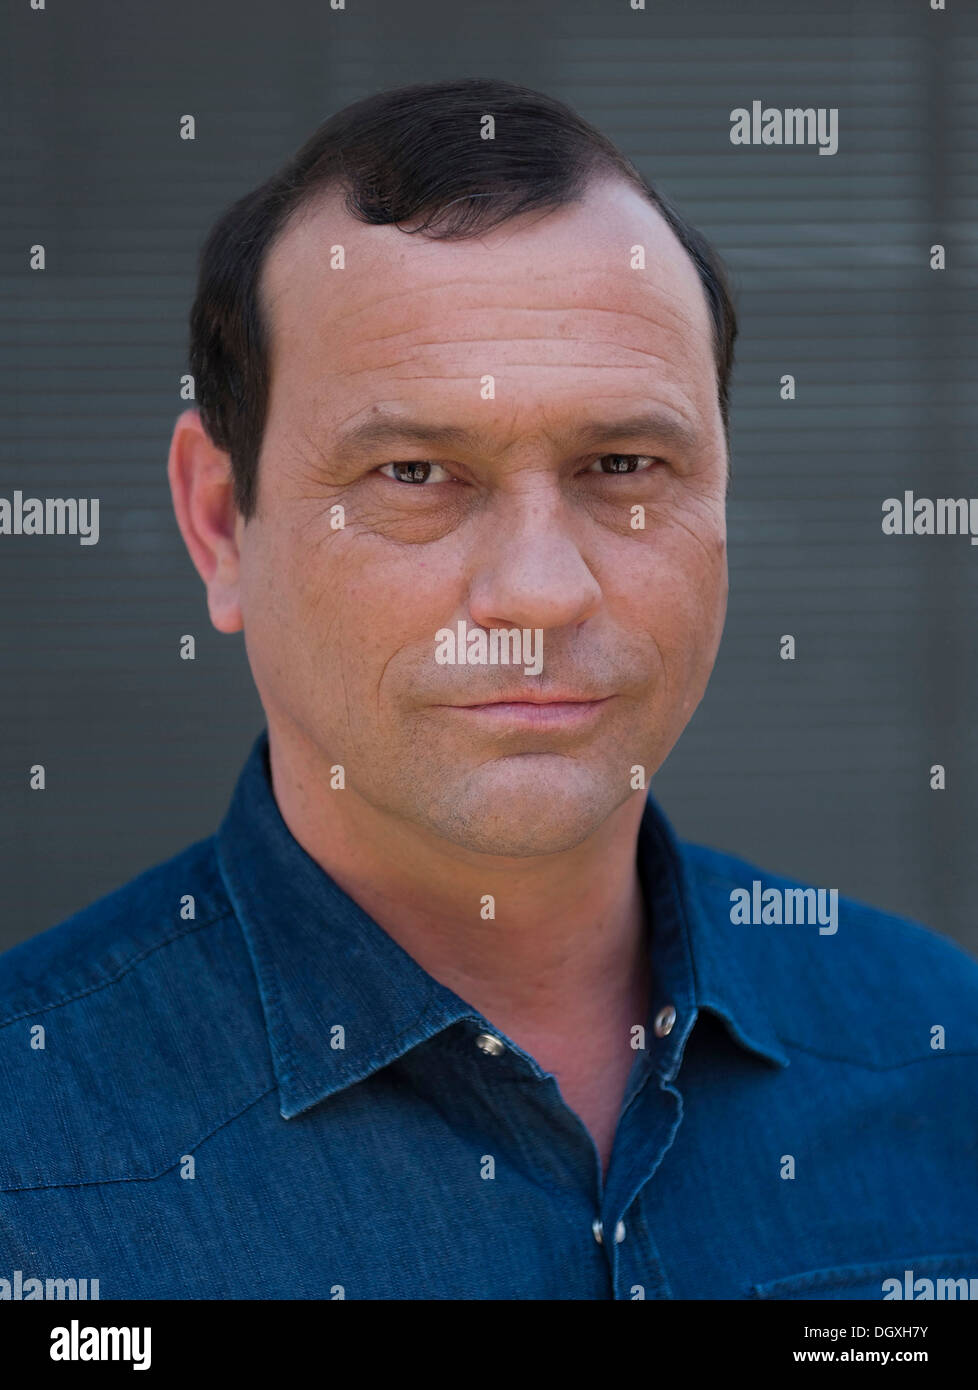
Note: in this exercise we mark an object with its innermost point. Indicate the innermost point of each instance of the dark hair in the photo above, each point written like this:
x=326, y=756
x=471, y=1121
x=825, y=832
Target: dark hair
x=410, y=156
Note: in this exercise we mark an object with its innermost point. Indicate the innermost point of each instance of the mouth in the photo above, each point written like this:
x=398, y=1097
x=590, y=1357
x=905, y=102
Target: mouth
x=531, y=711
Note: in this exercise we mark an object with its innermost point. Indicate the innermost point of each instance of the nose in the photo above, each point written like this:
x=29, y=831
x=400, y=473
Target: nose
x=531, y=571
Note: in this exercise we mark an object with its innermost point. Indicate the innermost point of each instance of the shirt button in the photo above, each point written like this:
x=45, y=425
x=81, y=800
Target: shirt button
x=664, y=1020
x=598, y=1231
x=490, y=1044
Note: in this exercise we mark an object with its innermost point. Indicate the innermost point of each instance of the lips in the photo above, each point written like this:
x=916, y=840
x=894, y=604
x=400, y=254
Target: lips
x=525, y=715
x=533, y=697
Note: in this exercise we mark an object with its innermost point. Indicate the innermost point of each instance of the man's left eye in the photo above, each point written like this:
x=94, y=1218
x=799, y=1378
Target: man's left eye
x=622, y=463
x=417, y=471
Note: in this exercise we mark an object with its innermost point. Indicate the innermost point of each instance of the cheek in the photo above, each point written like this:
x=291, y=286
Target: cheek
x=684, y=594
x=366, y=613
x=289, y=610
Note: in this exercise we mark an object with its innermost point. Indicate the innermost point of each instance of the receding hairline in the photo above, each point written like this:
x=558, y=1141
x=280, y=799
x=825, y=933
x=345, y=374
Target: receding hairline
x=333, y=193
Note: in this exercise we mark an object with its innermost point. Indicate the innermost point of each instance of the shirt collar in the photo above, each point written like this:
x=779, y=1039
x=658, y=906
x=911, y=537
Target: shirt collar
x=323, y=965
x=694, y=959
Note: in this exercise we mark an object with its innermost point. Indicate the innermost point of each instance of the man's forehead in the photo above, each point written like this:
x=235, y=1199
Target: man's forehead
x=551, y=305
x=331, y=268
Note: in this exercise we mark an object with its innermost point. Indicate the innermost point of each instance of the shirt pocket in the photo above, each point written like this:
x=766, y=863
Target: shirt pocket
x=919, y=1277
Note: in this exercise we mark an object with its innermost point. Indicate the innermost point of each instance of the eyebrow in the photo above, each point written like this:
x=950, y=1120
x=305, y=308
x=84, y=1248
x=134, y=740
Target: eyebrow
x=385, y=428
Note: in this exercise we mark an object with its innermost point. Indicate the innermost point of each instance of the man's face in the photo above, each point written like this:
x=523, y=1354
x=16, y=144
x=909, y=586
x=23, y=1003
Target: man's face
x=516, y=519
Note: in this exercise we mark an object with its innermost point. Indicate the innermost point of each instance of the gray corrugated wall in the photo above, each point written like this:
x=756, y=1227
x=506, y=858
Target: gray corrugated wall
x=816, y=768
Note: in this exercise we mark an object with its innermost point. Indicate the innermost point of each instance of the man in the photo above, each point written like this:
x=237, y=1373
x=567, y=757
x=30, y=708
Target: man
x=445, y=1010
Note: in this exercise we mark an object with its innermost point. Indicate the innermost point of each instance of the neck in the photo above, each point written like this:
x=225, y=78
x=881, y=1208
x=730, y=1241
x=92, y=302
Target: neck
x=565, y=949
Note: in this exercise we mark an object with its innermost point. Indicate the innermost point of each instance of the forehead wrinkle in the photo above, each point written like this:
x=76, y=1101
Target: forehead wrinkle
x=561, y=338
x=627, y=331
x=418, y=351
x=425, y=374
x=398, y=370
x=580, y=289
x=647, y=314
x=660, y=313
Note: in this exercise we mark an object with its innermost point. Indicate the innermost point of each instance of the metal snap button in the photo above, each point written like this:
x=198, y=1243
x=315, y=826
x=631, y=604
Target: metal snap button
x=597, y=1230
x=664, y=1021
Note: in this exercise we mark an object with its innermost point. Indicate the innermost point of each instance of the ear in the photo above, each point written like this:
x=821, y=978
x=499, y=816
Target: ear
x=203, y=499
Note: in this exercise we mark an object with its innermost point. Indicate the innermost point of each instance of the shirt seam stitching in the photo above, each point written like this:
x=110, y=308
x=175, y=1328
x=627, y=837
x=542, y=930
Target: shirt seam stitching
x=841, y=1276
x=128, y=965
x=146, y=1177
x=874, y=1066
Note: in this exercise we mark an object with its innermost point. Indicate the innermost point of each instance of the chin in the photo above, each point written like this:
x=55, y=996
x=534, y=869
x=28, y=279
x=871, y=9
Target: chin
x=524, y=806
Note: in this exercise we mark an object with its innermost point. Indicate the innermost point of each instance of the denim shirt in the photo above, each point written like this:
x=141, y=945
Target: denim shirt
x=225, y=1080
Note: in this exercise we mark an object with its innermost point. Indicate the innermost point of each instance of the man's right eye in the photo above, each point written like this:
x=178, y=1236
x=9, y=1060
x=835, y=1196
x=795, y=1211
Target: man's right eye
x=417, y=471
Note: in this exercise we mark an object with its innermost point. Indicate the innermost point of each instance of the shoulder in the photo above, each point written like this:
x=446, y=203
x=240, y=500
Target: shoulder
x=102, y=941
x=838, y=976
x=134, y=1025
